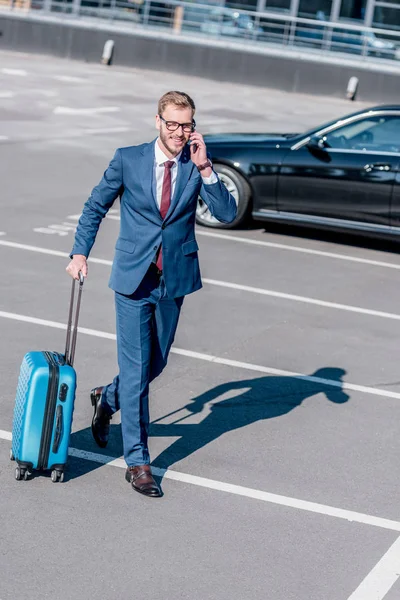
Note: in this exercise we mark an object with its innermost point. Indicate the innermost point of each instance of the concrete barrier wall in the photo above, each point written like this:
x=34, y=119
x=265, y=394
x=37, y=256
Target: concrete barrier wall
x=85, y=41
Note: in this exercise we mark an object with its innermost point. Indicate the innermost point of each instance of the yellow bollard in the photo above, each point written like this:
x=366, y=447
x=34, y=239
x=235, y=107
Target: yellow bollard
x=178, y=18
x=21, y=4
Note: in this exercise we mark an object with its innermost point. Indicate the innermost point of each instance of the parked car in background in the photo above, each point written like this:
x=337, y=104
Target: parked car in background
x=343, y=175
x=367, y=43
x=341, y=39
x=222, y=21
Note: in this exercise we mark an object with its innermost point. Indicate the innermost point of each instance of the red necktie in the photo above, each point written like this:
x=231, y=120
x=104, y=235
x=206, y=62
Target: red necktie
x=165, y=200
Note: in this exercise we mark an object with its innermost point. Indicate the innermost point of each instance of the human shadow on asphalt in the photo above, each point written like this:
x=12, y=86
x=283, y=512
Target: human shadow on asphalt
x=82, y=440
x=253, y=400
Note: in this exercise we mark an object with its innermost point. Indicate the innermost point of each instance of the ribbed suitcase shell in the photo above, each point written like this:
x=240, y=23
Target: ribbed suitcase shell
x=42, y=416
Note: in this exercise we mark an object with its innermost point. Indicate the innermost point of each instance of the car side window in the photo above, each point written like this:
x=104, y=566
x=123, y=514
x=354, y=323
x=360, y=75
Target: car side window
x=375, y=133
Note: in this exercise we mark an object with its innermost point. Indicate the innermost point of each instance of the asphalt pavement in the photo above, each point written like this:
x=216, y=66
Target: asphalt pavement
x=275, y=424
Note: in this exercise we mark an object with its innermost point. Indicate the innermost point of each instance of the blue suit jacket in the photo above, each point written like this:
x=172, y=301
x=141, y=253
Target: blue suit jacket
x=130, y=176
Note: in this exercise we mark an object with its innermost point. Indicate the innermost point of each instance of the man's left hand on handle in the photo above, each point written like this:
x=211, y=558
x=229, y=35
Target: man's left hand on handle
x=77, y=264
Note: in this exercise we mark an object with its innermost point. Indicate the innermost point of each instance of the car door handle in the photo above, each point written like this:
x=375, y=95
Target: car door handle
x=377, y=167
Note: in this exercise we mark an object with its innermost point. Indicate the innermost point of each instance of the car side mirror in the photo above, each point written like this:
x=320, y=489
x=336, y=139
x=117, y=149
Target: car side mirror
x=317, y=143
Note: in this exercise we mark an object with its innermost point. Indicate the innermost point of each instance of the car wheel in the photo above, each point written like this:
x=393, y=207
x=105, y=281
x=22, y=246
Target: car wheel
x=240, y=190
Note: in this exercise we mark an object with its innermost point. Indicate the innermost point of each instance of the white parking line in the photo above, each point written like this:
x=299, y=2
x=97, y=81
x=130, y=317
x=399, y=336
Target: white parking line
x=238, y=490
x=113, y=217
x=236, y=364
x=234, y=286
x=49, y=252
x=110, y=215
x=69, y=79
x=4, y=138
x=6, y=95
x=105, y=130
x=234, y=238
x=382, y=577
x=45, y=93
x=306, y=300
x=65, y=110
x=17, y=72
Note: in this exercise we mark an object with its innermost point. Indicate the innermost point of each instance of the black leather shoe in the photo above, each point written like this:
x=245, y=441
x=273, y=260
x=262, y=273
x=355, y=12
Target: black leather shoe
x=142, y=481
x=101, y=419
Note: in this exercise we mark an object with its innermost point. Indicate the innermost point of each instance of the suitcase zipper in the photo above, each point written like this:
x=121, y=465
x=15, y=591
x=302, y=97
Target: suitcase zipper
x=49, y=412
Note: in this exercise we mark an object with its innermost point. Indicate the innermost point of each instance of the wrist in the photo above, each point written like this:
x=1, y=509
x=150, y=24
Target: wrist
x=206, y=172
x=205, y=166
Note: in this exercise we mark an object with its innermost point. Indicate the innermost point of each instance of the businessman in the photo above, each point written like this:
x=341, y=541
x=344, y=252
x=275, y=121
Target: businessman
x=155, y=265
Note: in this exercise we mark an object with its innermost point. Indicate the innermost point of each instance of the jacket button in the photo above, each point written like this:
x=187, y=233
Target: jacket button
x=155, y=247
x=163, y=226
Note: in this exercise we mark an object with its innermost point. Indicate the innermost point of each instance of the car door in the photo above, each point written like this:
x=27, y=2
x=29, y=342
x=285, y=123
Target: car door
x=345, y=172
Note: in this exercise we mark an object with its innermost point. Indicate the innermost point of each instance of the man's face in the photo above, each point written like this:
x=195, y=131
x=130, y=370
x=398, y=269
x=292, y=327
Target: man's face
x=174, y=141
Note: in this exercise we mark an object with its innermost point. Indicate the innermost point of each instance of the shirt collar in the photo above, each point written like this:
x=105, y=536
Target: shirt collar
x=161, y=158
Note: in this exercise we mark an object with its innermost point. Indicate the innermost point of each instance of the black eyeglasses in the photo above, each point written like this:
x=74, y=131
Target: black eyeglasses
x=173, y=125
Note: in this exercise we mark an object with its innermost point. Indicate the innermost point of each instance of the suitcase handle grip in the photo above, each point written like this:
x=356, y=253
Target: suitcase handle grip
x=59, y=429
x=72, y=332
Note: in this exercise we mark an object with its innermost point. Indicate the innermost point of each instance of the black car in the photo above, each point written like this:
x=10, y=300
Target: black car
x=344, y=174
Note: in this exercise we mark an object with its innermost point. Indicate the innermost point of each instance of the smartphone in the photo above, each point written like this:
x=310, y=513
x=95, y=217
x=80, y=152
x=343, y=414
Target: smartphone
x=193, y=144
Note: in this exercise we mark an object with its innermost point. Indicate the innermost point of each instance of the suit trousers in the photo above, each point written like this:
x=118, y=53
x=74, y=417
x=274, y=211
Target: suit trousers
x=146, y=326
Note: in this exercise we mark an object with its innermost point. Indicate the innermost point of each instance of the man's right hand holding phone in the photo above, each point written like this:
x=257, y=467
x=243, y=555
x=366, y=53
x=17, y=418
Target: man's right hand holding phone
x=198, y=154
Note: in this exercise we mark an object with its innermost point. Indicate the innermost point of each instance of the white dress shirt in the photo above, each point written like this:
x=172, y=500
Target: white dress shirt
x=159, y=159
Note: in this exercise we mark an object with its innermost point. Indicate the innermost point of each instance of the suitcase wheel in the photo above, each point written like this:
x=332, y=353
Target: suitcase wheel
x=57, y=476
x=12, y=457
x=22, y=474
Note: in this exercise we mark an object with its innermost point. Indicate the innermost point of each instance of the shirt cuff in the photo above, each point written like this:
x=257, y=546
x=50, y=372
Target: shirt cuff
x=213, y=178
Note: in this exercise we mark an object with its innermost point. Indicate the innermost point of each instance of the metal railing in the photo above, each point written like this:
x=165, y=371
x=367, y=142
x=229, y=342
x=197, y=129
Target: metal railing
x=217, y=22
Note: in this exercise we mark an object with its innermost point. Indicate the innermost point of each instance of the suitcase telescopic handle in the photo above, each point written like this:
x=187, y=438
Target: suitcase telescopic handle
x=72, y=332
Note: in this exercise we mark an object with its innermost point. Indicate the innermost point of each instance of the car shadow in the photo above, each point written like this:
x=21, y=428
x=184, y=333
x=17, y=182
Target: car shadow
x=253, y=400
x=324, y=235
x=299, y=231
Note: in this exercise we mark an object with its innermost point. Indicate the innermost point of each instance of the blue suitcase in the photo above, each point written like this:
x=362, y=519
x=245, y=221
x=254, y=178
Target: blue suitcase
x=44, y=406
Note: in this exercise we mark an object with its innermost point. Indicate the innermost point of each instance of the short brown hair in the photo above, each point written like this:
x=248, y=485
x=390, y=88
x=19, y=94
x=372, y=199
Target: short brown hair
x=178, y=99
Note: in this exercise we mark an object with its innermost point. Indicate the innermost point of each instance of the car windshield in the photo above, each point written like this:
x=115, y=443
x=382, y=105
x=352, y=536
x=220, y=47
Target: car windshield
x=314, y=130
x=244, y=20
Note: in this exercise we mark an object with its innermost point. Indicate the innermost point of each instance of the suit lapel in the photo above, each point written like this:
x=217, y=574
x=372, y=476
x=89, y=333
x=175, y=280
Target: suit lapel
x=184, y=171
x=146, y=171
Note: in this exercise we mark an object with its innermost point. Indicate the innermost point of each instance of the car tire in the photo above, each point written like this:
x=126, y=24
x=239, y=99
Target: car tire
x=240, y=190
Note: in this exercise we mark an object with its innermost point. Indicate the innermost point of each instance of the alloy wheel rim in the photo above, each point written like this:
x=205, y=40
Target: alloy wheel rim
x=202, y=212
